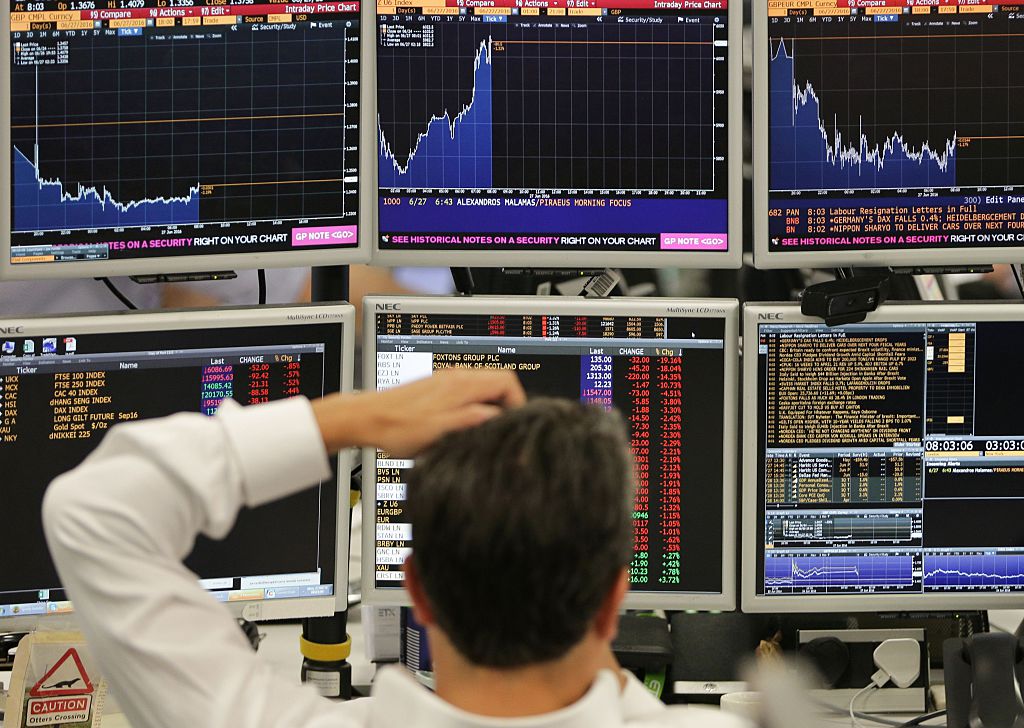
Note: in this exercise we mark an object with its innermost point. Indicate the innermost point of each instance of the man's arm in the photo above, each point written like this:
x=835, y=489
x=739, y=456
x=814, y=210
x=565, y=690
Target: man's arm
x=119, y=525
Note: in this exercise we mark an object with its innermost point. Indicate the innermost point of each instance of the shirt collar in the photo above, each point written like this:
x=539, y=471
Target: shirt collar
x=400, y=702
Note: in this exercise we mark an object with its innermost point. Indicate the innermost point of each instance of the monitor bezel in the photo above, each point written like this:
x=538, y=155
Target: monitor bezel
x=732, y=258
x=169, y=265
x=769, y=259
x=784, y=313
x=725, y=309
x=340, y=314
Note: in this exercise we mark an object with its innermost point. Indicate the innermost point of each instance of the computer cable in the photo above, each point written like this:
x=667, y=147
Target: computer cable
x=120, y=296
x=261, y=280
x=912, y=723
x=1016, y=277
x=921, y=719
x=252, y=633
x=854, y=720
x=898, y=661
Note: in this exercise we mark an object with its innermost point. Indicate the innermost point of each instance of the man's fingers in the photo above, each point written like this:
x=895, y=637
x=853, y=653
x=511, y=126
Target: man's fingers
x=413, y=415
x=514, y=395
x=433, y=429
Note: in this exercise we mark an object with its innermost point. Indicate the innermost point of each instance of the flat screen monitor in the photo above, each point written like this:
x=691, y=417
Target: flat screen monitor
x=887, y=133
x=559, y=133
x=65, y=381
x=670, y=366
x=167, y=136
x=884, y=461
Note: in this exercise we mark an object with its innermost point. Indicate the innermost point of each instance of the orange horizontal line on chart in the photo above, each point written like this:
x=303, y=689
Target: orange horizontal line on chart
x=607, y=42
x=908, y=37
x=176, y=121
x=972, y=137
x=273, y=182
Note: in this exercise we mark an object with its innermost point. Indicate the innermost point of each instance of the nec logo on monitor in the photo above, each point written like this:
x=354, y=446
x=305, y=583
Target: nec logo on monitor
x=769, y=317
x=388, y=306
x=12, y=329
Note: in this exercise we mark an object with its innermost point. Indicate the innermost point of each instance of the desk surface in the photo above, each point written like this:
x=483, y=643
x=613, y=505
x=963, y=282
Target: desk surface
x=281, y=649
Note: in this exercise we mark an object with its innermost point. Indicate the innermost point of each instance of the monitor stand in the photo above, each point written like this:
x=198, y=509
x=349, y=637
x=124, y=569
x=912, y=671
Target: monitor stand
x=588, y=283
x=463, y=280
x=921, y=270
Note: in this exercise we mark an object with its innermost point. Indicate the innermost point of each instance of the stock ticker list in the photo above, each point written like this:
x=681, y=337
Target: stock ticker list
x=56, y=407
x=664, y=375
x=80, y=401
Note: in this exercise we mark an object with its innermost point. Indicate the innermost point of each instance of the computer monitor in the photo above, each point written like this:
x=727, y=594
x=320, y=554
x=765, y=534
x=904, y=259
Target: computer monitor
x=883, y=461
x=668, y=365
x=887, y=133
x=156, y=137
x=559, y=133
x=65, y=381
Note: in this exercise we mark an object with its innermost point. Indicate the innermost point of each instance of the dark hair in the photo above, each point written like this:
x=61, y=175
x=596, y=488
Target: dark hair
x=521, y=527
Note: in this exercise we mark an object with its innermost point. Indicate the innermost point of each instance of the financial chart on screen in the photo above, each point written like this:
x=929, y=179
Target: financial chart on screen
x=61, y=393
x=536, y=125
x=890, y=459
x=894, y=125
x=665, y=374
x=173, y=128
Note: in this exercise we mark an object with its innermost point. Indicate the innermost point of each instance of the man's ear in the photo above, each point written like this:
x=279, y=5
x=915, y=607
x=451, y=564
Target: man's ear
x=420, y=604
x=606, y=623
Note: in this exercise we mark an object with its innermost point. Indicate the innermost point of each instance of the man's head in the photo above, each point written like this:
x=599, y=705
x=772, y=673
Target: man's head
x=522, y=530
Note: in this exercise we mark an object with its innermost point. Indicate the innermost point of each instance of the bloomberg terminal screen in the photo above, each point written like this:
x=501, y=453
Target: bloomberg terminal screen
x=894, y=124
x=666, y=376
x=165, y=128
x=552, y=125
x=891, y=458
x=60, y=395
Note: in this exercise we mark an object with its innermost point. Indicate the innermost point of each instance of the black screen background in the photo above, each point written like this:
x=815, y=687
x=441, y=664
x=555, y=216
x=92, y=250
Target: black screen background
x=961, y=510
x=270, y=539
x=895, y=84
x=702, y=441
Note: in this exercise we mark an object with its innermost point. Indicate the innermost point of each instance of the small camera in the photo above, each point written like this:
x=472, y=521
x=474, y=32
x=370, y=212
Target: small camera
x=845, y=301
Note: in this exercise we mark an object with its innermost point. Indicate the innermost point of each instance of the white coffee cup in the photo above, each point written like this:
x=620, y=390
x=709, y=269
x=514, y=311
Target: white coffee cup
x=746, y=704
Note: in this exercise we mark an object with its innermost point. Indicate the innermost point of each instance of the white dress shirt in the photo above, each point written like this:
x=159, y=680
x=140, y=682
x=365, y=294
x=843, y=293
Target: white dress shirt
x=118, y=527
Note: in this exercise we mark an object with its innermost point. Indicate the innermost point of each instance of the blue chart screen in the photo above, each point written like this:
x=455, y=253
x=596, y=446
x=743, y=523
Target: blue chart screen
x=148, y=128
x=896, y=127
x=832, y=571
x=891, y=458
x=454, y=150
x=552, y=124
